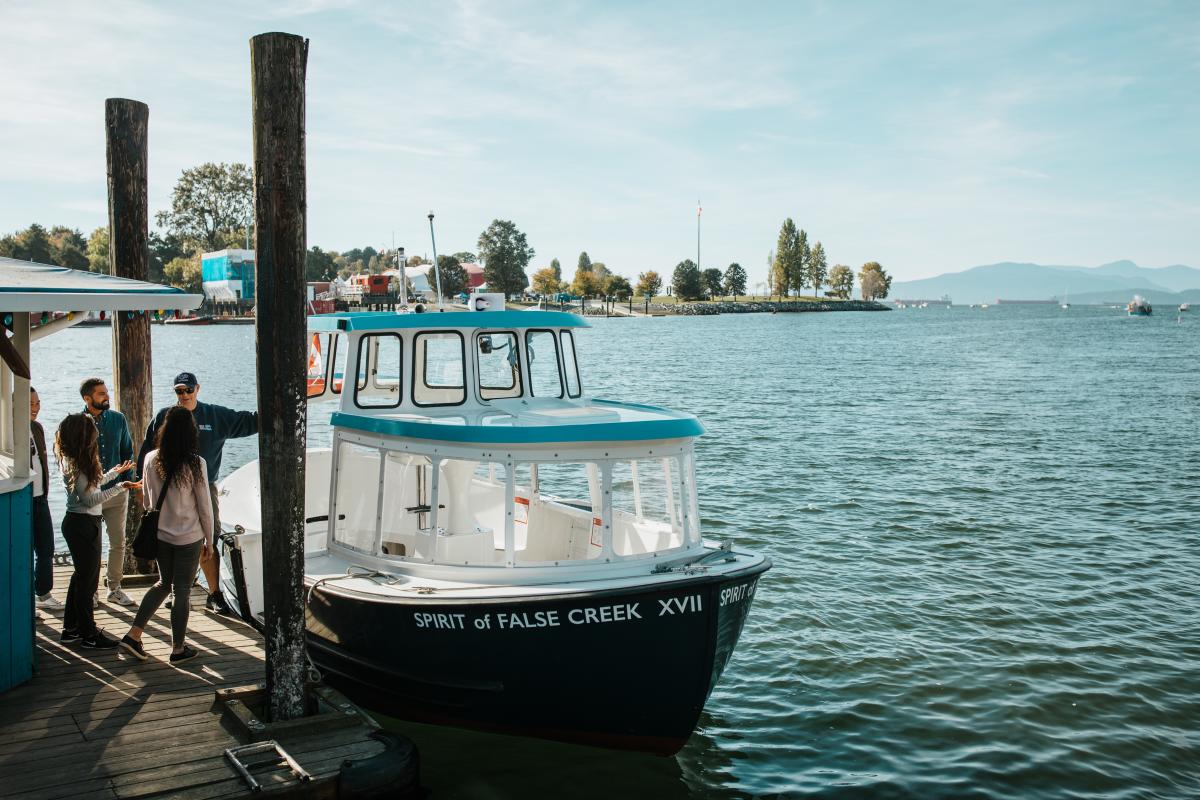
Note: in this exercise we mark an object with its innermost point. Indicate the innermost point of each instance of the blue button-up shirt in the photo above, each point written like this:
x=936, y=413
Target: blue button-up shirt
x=116, y=445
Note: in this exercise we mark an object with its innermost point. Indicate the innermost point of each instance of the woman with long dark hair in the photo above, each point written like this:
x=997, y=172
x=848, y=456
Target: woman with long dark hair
x=76, y=447
x=175, y=473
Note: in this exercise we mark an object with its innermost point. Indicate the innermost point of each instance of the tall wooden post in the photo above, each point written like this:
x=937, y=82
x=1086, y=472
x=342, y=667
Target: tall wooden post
x=277, y=64
x=125, y=132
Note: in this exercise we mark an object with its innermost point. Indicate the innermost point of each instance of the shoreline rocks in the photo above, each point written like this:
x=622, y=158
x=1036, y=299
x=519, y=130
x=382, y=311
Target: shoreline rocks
x=767, y=307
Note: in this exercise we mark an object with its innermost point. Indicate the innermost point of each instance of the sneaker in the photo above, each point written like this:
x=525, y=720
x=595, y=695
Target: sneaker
x=187, y=654
x=66, y=637
x=101, y=641
x=50, y=603
x=217, y=602
x=134, y=648
x=119, y=597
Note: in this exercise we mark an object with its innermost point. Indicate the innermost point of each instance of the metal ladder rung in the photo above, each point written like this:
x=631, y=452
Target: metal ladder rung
x=235, y=755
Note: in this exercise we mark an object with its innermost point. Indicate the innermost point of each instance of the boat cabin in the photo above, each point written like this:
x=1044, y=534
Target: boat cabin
x=469, y=439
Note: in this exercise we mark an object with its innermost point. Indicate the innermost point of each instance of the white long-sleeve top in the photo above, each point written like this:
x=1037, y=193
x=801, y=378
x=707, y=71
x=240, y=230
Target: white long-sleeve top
x=89, y=499
x=187, y=514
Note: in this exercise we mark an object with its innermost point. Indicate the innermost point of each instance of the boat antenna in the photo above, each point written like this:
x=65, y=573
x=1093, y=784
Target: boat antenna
x=436, y=271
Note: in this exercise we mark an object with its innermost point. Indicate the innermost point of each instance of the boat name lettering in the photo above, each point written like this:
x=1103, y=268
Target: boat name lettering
x=452, y=622
x=736, y=594
x=680, y=605
x=622, y=612
x=522, y=619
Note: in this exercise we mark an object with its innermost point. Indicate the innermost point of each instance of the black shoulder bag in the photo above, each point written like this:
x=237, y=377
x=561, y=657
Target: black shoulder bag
x=145, y=546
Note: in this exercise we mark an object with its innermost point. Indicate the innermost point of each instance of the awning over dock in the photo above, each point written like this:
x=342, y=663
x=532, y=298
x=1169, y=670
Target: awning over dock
x=32, y=287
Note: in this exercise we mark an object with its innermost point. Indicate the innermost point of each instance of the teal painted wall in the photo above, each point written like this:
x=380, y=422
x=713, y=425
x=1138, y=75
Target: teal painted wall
x=16, y=588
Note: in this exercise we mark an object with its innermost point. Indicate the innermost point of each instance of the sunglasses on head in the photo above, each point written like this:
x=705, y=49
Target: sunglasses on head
x=184, y=390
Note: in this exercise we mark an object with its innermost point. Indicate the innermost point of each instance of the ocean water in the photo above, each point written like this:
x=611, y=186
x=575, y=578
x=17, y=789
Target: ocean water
x=985, y=525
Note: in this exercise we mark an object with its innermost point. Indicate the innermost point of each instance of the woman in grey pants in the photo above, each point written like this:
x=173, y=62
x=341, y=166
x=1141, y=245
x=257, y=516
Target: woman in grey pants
x=174, y=473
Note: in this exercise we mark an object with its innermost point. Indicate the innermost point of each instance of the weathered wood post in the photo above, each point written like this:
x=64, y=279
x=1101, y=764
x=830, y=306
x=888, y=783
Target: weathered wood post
x=277, y=64
x=125, y=133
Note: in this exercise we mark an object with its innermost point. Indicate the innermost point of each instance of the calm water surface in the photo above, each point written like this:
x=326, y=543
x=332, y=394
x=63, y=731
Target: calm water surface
x=985, y=527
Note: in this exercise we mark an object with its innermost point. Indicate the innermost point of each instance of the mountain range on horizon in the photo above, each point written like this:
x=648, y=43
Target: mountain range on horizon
x=1114, y=282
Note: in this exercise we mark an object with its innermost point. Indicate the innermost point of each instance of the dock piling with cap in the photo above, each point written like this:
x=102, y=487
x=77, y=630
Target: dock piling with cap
x=126, y=130
x=277, y=63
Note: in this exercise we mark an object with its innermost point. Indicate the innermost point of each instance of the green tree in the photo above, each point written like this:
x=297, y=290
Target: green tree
x=841, y=281
x=164, y=248
x=798, y=267
x=686, y=282
x=68, y=248
x=505, y=254
x=618, y=286
x=211, y=206
x=817, y=268
x=318, y=265
x=713, y=282
x=786, y=268
x=184, y=273
x=97, y=250
x=557, y=267
x=464, y=257
x=873, y=282
x=735, y=280
x=546, y=282
x=649, y=284
x=31, y=244
x=454, y=277
x=584, y=264
x=585, y=283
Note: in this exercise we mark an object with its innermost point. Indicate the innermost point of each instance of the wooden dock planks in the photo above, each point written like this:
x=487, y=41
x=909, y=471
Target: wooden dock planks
x=101, y=724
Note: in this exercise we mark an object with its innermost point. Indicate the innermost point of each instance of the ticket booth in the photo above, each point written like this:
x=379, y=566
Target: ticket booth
x=37, y=300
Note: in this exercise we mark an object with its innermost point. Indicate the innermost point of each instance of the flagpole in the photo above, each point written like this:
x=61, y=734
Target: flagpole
x=698, y=210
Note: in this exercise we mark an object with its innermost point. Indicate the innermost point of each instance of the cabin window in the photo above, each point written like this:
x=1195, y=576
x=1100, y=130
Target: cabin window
x=558, y=512
x=316, y=379
x=406, y=516
x=652, y=506
x=438, y=369
x=357, y=497
x=570, y=365
x=541, y=351
x=377, y=384
x=499, y=365
x=326, y=365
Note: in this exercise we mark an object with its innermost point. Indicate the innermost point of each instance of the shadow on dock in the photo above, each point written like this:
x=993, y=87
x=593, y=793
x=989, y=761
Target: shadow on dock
x=101, y=724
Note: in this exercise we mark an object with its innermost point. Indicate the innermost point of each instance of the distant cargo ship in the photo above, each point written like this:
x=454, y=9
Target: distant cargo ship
x=1052, y=301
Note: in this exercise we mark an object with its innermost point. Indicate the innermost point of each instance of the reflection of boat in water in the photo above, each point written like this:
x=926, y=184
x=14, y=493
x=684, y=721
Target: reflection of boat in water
x=1139, y=307
x=487, y=546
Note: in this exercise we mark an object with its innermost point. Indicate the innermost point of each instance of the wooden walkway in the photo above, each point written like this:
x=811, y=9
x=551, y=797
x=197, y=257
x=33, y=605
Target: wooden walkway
x=101, y=724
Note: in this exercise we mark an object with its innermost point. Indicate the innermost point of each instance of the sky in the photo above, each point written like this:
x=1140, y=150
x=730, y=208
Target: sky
x=929, y=137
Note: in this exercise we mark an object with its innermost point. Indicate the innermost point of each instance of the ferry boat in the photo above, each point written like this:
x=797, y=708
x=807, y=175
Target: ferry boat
x=489, y=546
x=1139, y=307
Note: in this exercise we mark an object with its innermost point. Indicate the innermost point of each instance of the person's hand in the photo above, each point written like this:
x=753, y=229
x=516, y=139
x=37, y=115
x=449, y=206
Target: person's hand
x=128, y=465
x=131, y=485
x=205, y=551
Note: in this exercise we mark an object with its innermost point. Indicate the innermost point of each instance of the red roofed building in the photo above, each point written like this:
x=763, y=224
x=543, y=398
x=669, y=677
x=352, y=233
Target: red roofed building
x=474, y=275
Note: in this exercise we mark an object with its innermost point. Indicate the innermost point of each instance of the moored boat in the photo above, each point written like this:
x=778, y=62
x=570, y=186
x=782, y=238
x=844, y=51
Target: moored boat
x=1139, y=307
x=490, y=547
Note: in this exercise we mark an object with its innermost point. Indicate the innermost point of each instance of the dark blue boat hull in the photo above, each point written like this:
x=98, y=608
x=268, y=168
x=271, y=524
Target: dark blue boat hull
x=628, y=669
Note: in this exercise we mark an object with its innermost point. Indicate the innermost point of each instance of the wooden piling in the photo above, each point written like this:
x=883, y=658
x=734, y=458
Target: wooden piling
x=278, y=63
x=125, y=132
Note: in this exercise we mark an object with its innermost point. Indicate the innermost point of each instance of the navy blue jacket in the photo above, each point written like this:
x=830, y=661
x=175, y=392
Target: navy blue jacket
x=216, y=424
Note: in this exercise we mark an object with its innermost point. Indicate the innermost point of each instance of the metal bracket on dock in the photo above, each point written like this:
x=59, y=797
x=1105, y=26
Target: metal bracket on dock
x=235, y=754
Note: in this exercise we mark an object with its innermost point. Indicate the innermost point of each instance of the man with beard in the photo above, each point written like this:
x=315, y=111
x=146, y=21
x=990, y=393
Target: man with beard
x=116, y=447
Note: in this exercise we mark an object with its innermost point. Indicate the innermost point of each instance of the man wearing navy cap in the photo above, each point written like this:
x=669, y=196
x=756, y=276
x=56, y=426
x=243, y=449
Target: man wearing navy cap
x=215, y=424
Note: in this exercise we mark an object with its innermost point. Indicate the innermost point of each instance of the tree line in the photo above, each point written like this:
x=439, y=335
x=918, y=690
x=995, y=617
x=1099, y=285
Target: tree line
x=212, y=208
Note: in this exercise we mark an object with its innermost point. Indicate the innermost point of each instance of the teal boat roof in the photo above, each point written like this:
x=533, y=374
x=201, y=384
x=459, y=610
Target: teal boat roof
x=544, y=422
x=387, y=320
